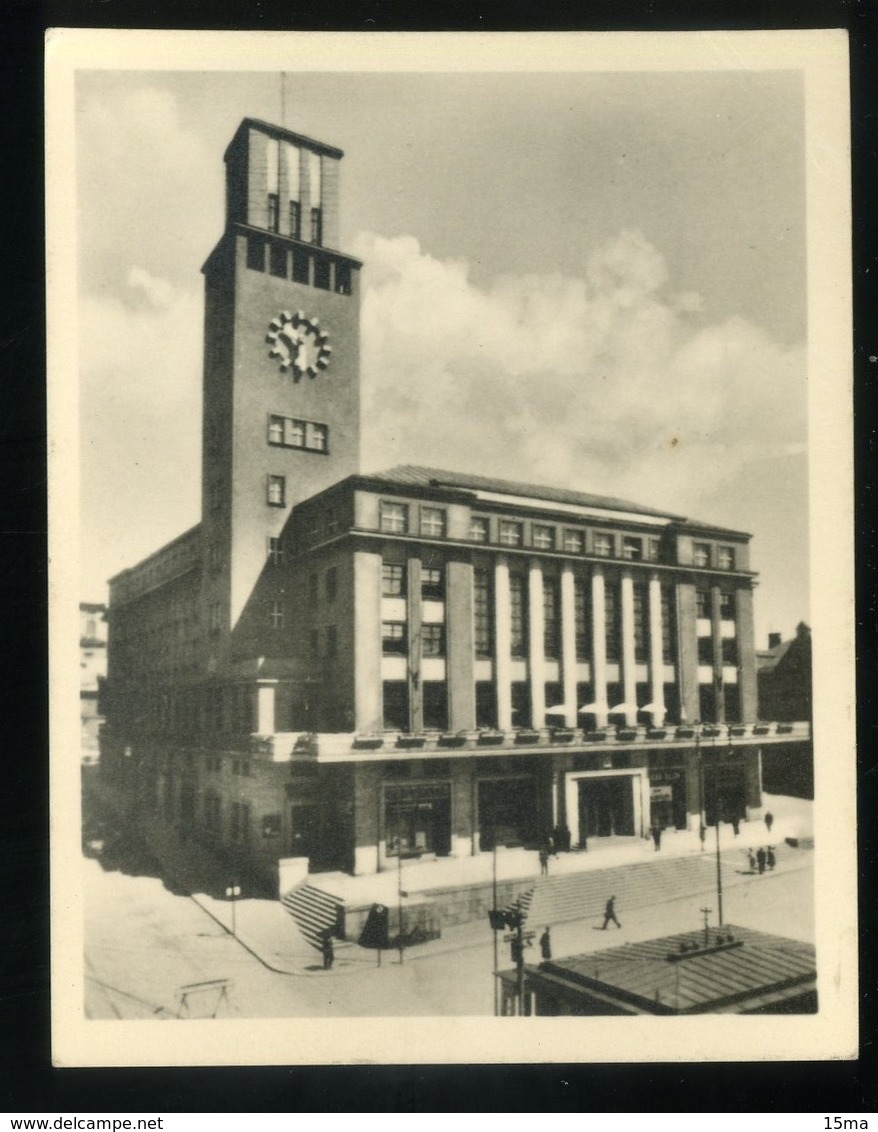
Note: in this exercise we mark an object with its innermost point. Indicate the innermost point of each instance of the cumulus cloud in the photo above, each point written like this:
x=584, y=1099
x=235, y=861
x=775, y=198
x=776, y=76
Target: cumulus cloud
x=603, y=382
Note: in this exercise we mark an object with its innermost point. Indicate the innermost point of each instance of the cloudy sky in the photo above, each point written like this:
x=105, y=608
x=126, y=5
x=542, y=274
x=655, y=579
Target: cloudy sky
x=590, y=280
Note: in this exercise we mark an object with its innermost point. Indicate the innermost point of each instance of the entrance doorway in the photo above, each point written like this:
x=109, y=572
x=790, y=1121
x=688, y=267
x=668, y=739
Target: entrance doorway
x=606, y=807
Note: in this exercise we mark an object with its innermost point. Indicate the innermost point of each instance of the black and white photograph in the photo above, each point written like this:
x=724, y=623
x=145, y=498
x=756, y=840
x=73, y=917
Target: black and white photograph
x=451, y=514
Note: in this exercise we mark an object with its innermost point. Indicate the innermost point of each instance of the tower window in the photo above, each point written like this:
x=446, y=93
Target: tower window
x=394, y=517
x=255, y=254
x=295, y=220
x=603, y=545
x=392, y=580
x=316, y=225
x=478, y=528
x=574, y=542
x=301, y=261
x=277, y=261
x=432, y=583
x=276, y=615
x=343, y=279
x=275, y=551
x=275, y=430
x=294, y=433
x=433, y=640
x=277, y=491
x=701, y=554
x=544, y=537
x=433, y=522
x=317, y=439
x=510, y=533
x=393, y=637
x=321, y=273
x=273, y=212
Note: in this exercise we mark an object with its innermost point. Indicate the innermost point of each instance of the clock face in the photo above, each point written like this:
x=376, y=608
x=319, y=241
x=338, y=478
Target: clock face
x=299, y=344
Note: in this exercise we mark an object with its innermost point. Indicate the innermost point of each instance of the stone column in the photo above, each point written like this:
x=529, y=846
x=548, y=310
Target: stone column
x=459, y=656
x=629, y=678
x=536, y=656
x=502, y=645
x=656, y=662
x=568, y=644
x=599, y=644
x=366, y=673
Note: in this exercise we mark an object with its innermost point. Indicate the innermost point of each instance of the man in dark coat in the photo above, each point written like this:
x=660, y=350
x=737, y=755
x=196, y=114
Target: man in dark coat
x=760, y=859
x=546, y=944
x=326, y=946
x=610, y=913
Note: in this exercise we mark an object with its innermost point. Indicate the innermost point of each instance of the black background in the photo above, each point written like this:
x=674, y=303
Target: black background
x=28, y=1083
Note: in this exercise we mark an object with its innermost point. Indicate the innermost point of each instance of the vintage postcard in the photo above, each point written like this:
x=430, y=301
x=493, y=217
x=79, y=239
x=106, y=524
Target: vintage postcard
x=451, y=527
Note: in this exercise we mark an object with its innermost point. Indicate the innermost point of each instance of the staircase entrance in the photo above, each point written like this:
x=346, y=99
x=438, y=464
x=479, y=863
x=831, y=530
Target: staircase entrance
x=604, y=804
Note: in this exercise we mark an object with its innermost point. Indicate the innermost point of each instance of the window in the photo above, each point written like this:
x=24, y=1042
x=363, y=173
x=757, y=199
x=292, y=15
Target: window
x=435, y=705
x=393, y=637
x=301, y=263
x=277, y=491
x=652, y=550
x=668, y=630
x=392, y=580
x=255, y=254
x=394, y=517
x=726, y=558
x=482, y=622
x=574, y=542
x=544, y=537
x=433, y=640
x=702, y=603
x=580, y=619
x=521, y=704
x=603, y=545
x=343, y=279
x=701, y=553
x=396, y=705
x=316, y=226
x=551, y=618
x=433, y=522
x=275, y=430
x=486, y=704
x=727, y=606
x=275, y=551
x=611, y=613
x=729, y=650
x=273, y=212
x=331, y=640
x=632, y=548
x=277, y=261
x=705, y=650
x=518, y=615
x=641, y=628
x=321, y=273
x=478, y=528
x=433, y=583
x=510, y=533
x=295, y=220
x=319, y=434
x=276, y=615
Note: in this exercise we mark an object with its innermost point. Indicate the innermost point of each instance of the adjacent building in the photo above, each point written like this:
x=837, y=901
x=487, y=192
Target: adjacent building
x=348, y=667
x=92, y=674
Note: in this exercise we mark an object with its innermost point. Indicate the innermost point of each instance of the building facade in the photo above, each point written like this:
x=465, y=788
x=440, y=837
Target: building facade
x=349, y=667
x=92, y=674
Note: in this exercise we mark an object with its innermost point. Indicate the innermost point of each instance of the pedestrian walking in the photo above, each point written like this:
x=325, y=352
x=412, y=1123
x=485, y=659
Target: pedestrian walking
x=326, y=946
x=751, y=860
x=760, y=859
x=769, y=820
x=736, y=824
x=702, y=834
x=546, y=944
x=610, y=913
x=657, y=837
x=544, y=861
x=770, y=859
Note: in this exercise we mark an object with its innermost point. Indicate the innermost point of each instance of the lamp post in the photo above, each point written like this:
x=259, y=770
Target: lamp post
x=699, y=754
x=399, y=940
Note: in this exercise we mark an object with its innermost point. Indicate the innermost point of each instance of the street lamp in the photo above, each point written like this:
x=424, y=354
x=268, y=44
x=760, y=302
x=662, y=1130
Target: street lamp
x=716, y=811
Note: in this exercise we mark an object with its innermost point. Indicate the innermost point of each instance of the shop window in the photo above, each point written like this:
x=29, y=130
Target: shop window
x=478, y=528
x=393, y=517
x=396, y=705
x=435, y=705
x=543, y=537
x=393, y=638
x=701, y=553
x=433, y=640
x=511, y=534
x=433, y=583
x=392, y=579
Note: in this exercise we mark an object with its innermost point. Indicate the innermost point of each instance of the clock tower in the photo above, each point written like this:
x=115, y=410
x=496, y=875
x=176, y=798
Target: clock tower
x=281, y=416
